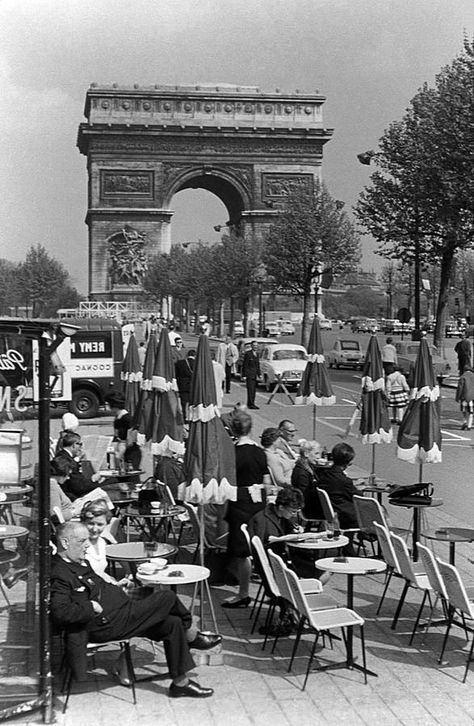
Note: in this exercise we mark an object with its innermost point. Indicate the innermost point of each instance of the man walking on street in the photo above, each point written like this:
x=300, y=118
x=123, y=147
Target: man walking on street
x=250, y=373
x=227, y=356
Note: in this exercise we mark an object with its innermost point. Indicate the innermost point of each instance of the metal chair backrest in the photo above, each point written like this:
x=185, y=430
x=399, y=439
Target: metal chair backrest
x=195, y=523
x=164, y=493
x=279, y=567
x=299, y=598
x=388, y=553
x=457, y=595
x=263, y=566
x=326, y=505
x=403, y=557
x=432, y=570
x=368, y=511
x=245, y=531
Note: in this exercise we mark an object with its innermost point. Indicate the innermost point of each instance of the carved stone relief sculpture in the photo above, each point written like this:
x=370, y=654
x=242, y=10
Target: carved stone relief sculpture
x=128, y=261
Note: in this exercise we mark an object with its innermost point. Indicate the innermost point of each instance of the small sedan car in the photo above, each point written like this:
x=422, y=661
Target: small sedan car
x=273, y=329
x=346, y=352
x=285, y=361
x=406, y=354
x=286, y=327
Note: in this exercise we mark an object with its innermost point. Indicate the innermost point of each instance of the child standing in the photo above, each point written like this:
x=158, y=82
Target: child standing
x=465, y=396
x=397, y=392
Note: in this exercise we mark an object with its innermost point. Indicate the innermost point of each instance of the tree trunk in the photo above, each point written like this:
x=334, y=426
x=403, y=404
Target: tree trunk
x=446, y=269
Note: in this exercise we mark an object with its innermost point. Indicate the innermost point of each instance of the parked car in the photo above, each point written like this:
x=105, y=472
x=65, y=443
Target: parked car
x=284, y=360
x=243, y=344
x=286, y=327
x=238, y=328
x=324, y=323
x=346, y=352
x=455, y=328
x=272, y=328
x=406, y=354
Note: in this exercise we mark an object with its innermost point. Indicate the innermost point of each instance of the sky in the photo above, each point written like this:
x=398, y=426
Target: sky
x=368, y=57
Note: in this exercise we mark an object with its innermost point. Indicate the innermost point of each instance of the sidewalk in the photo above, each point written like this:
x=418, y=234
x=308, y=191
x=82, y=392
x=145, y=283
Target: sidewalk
x=253, y=687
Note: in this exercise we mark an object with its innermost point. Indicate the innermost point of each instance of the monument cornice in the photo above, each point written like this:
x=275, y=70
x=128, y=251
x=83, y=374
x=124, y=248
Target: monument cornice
x=149, y=139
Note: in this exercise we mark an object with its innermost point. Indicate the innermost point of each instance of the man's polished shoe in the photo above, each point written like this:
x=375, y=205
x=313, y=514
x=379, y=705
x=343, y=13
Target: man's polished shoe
x=244, y=602
x=191, y=690
x=205, y=641
x=14, y=576
x=255, y=408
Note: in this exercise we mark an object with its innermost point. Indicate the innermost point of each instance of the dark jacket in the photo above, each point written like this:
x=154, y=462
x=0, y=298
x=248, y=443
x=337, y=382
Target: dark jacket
x=302, y=476
x=251, y=365
x=267, y=523
x=73, y=586
x=77, y=484
x=184, y=372
x=341, y=491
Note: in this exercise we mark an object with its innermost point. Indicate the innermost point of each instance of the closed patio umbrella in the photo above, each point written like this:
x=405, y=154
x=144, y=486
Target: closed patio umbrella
x=210, y=458
x=209, y=461
x=143, y=415
x=419, y=435
x=131, y=375
x=315, y=387
x=167, y=417
x=374, y=419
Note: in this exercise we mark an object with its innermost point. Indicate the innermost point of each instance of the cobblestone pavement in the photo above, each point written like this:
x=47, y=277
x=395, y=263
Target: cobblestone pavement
x=252, y=686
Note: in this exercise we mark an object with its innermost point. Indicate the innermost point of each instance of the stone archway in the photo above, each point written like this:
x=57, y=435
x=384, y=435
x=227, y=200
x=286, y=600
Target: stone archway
x=143, y=145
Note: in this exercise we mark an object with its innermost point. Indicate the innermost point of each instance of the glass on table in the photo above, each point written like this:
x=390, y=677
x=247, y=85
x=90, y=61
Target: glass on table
x=151, y=548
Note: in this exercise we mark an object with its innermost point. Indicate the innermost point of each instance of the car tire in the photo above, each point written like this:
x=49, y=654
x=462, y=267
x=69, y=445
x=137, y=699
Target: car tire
x=84, y=403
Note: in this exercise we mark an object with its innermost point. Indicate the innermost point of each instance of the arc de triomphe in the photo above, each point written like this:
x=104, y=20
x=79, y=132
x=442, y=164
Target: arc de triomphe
x=145, y=144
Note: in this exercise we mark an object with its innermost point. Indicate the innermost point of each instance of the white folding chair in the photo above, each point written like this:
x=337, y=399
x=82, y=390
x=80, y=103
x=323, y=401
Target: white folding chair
x=270, y=588
x=433, y=574
x=328, y=510
x=389, y=558
x=320, y=621
x=312, y=588
x=417, y=580
x=458, y=600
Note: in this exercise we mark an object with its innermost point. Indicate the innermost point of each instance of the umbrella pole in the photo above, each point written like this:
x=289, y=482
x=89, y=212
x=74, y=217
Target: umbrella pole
x=372, y=468
x=314, y=422
x=420, y=472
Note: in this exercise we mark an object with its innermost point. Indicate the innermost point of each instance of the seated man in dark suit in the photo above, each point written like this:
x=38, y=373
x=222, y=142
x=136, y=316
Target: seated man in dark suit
x=89, y=608
x=66, y=462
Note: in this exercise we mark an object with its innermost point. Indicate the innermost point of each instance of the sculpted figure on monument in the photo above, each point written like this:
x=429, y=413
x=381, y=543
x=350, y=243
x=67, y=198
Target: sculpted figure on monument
x=128, y=262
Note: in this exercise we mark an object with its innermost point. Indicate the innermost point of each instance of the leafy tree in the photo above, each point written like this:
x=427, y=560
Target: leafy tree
x=312, y=230
x=42, y=280
x=421, y=198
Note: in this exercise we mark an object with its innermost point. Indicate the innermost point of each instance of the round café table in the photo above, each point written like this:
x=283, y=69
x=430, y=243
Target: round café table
x=136, y=552
x=352, y=566
x=195, y=574
x=450, y=535
x=316, y=541
x=416, y=515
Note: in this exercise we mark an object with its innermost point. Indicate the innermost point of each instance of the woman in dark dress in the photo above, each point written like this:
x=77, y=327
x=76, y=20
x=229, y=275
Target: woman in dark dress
x=252, y=475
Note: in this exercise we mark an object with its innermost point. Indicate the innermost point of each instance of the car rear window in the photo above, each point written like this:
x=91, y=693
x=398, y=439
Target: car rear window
x=349, y=345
